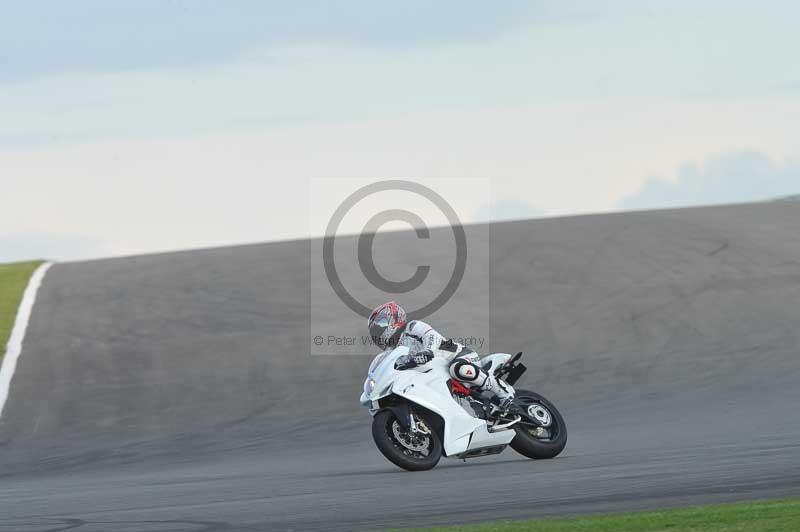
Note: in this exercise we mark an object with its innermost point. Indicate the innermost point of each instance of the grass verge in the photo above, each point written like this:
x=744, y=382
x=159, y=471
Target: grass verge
x=761, y=516
x=13, y=281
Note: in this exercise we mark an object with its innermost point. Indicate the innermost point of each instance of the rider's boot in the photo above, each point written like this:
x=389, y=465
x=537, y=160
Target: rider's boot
x=502, y=393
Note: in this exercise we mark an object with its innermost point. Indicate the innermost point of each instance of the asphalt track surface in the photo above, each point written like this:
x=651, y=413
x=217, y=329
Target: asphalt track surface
x=174, y=392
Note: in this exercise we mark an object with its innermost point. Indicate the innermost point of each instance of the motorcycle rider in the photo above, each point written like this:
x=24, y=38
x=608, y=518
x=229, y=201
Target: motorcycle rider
x=389, y=328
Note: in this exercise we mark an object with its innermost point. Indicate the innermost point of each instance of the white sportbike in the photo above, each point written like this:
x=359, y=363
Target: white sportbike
x=421, y=414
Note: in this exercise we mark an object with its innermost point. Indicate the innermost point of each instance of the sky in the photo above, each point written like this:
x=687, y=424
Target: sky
x=143, y=126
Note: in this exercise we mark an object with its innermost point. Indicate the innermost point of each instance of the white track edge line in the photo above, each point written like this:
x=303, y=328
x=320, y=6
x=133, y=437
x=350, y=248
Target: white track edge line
x=14, y=346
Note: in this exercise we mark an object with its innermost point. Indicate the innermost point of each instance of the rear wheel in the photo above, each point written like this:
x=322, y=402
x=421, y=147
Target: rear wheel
x=412, y=451
x=542, y=432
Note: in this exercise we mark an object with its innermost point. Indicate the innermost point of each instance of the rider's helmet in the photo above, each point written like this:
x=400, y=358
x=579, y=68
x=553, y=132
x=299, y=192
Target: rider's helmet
x=384, y=322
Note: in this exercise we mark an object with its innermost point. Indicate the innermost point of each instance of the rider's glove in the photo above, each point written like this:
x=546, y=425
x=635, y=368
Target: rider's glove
x=422, y=357
x=412, y=361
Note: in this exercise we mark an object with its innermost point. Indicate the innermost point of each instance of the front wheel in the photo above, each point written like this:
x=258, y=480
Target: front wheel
x=542, y=432
x=418, y=451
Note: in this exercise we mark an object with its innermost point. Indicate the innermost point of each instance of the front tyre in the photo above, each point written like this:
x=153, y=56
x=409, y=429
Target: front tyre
x=410, y=451
x=542, y=432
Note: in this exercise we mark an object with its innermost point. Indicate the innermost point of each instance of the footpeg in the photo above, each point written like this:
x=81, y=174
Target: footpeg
x=503, y=426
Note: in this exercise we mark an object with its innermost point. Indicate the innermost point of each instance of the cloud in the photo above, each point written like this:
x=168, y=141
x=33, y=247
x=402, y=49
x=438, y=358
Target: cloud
x=507, y=209
x=45, y=38
x=732, y=177
x=141, y=196
x=164, y=69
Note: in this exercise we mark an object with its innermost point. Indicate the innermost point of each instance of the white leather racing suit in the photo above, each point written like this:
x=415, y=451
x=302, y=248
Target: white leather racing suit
x=465, y=367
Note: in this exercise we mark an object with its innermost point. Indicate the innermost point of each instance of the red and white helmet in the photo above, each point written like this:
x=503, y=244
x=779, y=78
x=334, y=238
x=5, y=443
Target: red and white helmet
x=385, y=321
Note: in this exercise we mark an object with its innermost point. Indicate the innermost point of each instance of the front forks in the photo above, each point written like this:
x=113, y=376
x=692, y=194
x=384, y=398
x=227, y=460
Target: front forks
x=416, y=426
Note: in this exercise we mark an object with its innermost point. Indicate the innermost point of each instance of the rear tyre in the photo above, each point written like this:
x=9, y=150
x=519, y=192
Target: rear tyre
x=542, y=433
x=410, y=451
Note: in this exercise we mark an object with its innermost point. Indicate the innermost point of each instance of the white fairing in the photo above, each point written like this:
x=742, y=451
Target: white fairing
x=494, y=361
x=427, y=386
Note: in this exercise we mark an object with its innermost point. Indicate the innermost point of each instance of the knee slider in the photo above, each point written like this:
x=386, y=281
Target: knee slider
x=468, y=372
